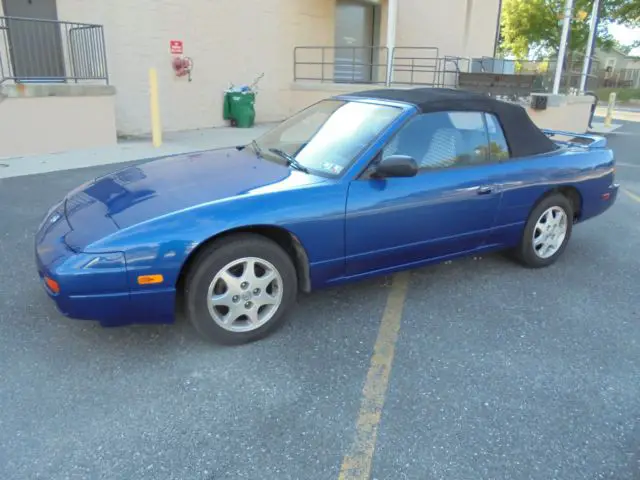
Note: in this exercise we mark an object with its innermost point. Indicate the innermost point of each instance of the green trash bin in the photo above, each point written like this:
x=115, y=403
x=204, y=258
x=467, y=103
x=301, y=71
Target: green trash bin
x=239, y=107
x=226, y=106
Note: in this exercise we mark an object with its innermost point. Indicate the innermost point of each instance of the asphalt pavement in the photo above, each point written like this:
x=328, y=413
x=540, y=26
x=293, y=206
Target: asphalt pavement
x=498, y=372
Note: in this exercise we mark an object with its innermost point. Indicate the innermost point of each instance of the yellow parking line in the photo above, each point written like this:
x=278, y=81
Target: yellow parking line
x=632, y=195
x=357, y=462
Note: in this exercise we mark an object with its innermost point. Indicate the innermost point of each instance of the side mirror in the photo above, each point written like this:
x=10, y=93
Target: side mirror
x=396, y=166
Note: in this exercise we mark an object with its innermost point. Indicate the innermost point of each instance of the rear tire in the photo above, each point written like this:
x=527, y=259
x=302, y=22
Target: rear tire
x=240, y=289
x=547, y=232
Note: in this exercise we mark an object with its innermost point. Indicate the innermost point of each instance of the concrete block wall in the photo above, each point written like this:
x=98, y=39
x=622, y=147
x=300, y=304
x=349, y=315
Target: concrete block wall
x=42, y=119
x=229, y=41
x=236, y=40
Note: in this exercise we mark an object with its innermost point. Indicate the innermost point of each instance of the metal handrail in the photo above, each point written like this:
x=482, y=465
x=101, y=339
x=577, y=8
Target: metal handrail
x=354, y=63
x=425, y=66
x=45, y=20
x=42, y=50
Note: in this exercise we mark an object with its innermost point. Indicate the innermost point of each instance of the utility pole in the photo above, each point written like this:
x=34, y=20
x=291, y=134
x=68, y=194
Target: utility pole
x=590, y=44
x=595, y=36
x=568, y=7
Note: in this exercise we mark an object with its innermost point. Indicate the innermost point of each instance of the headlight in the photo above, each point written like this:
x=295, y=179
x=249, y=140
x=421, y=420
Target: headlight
x=97, y=261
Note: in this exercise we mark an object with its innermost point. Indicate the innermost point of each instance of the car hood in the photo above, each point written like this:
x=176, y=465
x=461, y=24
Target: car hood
x=142, y=192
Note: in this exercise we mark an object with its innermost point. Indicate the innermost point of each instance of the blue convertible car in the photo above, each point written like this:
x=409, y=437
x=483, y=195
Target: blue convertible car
x=353, y=186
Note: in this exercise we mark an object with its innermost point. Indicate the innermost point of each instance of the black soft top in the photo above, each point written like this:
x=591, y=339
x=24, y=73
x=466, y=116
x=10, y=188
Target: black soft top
x=523, y=136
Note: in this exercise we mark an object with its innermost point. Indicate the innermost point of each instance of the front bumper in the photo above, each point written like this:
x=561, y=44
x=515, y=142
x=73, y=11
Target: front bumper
x=93, y=286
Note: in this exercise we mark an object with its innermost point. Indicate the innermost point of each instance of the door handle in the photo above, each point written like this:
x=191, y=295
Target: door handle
x=485, y=189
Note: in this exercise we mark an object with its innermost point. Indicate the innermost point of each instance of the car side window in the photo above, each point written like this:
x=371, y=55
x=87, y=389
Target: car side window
x=442, y=140
x=498, y=146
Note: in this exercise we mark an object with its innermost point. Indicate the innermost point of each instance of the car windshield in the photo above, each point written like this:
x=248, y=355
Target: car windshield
x=326, y=137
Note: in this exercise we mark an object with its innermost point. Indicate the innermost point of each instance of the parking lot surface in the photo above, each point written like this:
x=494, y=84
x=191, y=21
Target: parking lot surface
x=498, y=372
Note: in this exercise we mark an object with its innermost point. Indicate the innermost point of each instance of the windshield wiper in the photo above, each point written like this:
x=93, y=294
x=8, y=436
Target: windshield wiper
x=256, y=147
x=291, y=161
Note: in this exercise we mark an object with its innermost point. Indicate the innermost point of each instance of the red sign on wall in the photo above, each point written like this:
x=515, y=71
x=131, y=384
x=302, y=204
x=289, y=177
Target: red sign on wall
x=176, y=47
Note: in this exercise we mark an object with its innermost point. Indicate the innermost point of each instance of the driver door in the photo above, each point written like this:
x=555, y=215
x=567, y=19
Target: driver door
x=448, y=208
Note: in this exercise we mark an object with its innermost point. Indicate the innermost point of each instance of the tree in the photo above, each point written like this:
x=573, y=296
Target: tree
x=533, y=27
x=626, y=49
x=626, y=12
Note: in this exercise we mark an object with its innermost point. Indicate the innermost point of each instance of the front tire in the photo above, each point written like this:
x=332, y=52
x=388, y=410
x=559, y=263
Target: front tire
x=240, y=289
x=547, y=232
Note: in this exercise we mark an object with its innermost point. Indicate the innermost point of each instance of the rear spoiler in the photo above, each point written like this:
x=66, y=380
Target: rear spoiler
x=572, y=139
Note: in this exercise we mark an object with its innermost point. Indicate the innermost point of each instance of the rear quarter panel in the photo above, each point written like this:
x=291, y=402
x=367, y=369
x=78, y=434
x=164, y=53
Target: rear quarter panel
x=525, y=181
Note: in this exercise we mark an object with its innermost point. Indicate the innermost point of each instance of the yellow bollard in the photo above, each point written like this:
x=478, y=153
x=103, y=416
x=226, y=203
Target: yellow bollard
x=156, y=127
x=610, y=107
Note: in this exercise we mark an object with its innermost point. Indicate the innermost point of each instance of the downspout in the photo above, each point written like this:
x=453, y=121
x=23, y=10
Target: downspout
x=467, y=27
x=497, y=41
x=392, y=22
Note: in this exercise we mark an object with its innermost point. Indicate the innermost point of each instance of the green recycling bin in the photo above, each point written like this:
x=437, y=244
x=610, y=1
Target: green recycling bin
x=239, y=107
x=226, y=106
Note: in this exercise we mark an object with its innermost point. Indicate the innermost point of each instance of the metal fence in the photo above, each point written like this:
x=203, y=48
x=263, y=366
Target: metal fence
x=539, y=74
x=623, y=78
x=34, y=50
x=341, y=64
x=425, y=66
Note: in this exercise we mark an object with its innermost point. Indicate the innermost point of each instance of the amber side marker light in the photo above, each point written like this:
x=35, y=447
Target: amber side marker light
x=150, y=279
x=52, y=284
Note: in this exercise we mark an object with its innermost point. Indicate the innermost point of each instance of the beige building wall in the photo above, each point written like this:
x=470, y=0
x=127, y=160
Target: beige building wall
x=422, y=24
x=483, y=28
x=4, y=51
x=306, y=94
x=441, y=24
x=566, y=113
x=228, y=41
x=50, y=124
x=236, y=40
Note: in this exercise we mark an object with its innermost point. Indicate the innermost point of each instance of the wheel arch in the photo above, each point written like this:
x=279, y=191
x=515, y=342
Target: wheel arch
x=568, y=191
x=287, y=240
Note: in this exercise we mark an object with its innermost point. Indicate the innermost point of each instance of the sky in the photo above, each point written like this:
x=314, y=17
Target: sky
x=626, y=36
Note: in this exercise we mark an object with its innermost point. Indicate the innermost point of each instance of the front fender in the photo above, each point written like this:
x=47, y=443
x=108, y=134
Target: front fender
x=313, y=215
